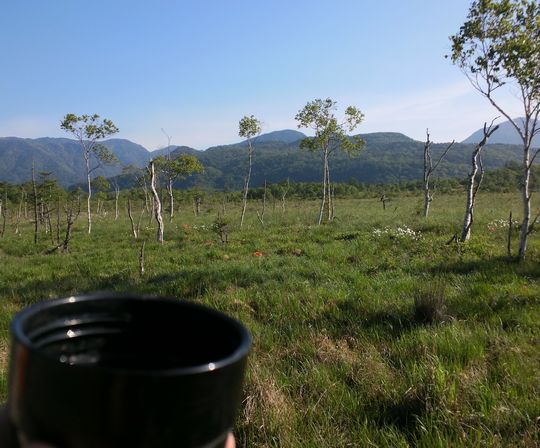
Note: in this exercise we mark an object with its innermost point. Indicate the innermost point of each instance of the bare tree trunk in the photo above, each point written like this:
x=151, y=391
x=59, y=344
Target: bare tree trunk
x=156, y=202
x=429, y=168
x=141, y=259
x=89, y=184
x=143, y=208
x=325, y=180
x=260, y=215
x=71, y=217
x=19, y=214
x=472, y=185
x=246, y=183
x=526, y=194
x=171, y=198
x=4, y=213
x=34, y=190
x=145, y=189
x=428, y=165
x=509, y=239
x=329, y=193
x=283, y=197
x=332, y=197
x=58, y=221
x=48, y=224
x=133, y=230
x=116, y=198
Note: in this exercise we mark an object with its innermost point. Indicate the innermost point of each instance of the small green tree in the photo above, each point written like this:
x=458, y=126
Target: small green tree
x=89, y=130
x=248, y=127
x=176, y=168
x=329, y=136
x=499, y=46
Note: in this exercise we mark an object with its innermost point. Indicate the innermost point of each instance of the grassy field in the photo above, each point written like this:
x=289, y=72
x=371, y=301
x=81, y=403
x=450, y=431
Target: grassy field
x=364, y=334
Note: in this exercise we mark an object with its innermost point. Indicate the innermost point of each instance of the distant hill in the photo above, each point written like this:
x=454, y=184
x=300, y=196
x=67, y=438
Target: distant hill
x=388, y=157
x=285, y=136
x=165, y=151
x=60, y=156
x=506, y=135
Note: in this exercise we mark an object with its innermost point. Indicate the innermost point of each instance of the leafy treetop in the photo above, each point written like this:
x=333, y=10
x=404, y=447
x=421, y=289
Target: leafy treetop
x=181, y=167
x=500, y=44
x=249, y=127
x=329, y=133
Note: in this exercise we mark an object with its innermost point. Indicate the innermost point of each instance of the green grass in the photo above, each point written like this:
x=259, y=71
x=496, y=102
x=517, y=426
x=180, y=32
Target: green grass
x=342, y=356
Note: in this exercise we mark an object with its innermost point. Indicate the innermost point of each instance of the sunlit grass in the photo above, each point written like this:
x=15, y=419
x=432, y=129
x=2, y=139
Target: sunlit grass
x=342, y=356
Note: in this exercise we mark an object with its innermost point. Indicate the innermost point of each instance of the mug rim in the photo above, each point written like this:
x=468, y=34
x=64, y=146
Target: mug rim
x=240, y=352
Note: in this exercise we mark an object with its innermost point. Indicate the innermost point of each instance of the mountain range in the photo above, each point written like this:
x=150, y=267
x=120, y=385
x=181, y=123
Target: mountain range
x=388, y=157
x=506, y=135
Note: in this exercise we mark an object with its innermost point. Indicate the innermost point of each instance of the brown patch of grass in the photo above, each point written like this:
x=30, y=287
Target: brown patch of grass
x=267, y=408
x=334, y=351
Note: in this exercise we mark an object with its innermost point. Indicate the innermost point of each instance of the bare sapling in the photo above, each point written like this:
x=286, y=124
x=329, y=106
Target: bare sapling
x=429, y=169
x=156, y=202
x=116, y=197
x=384, y=199
x=249, y=127
x=474, y=180
x=19, y=213
x=72, y=213
x=58, y=221
x=197, y=202
x=141, y=259
x=509, y=237
x=284, y=191
x=3, y=217
x=260, y=215
x=36, y=204
x=133, y=229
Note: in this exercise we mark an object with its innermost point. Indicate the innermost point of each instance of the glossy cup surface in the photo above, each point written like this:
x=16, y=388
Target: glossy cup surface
x=123, y=370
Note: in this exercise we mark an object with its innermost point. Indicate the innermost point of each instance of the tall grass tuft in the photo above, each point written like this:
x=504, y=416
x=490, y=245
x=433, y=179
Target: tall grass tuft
x=429, y=304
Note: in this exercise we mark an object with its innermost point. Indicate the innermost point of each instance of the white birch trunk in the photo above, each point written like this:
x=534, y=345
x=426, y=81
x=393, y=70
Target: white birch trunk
x=325, y=181
x=246, y=184
x=157, y=203
x=89, y=183
x=526, y=194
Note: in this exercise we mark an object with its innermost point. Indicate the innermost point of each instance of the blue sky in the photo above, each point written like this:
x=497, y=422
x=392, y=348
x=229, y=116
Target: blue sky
x=195, y=68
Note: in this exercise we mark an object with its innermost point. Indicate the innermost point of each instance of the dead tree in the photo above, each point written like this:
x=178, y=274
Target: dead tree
x=475, y=180
x=429, y=168
x=260, y=215
x=36, y=203
x=156, y=202
x=509, y=238
x=116, y=197
x=197, y=204
x=3, y=207
x=141, y=259
x=133, y=229
x=19, y=214
x=284, y=192
x=384, y=200
x=72, y=214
